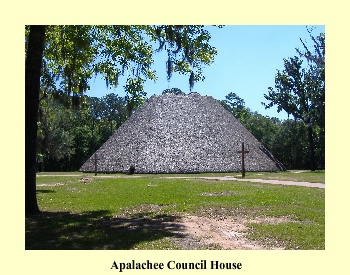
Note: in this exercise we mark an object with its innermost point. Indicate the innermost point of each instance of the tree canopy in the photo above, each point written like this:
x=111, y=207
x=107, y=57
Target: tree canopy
x=61, y=59
x=300, y=90
x=175, y=91
x=236, y=105
x=287, y=140
x=74, y=54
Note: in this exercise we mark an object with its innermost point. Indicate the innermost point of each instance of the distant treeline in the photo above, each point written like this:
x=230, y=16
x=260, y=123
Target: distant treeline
x=68, y=137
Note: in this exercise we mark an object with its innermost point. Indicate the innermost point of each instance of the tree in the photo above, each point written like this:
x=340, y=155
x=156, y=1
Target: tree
x=72, y=55
x=290, y=144
x=300, y=91
x=135, y=94
x=55, y=140
x=95, y=111
x=287, y=140
x=263, y=128
x=316, y=79
x=114, y=110
x=293, y=95
x=236, y=105
x=175, y=91
x=316, y=74
x=187, y=47
x=34, y=54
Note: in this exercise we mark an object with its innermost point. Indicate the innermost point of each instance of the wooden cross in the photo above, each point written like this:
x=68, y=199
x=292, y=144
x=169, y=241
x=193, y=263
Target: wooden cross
x=95, y=160
x=243, y=152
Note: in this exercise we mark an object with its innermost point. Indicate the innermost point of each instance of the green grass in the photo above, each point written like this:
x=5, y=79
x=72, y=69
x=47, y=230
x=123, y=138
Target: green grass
x=135, y=212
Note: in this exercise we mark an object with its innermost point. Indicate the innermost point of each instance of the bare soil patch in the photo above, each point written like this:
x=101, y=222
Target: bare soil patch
x=51, y=184
x=226, y=233
x=211, y=231
x=220, y=194
x=81, y=180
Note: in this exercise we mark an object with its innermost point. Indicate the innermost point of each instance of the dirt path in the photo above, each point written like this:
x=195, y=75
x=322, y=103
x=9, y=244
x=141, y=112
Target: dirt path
x=228, y=178
x=294, y=183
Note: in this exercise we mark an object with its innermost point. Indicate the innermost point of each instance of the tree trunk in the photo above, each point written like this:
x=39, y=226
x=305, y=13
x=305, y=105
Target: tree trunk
x=312, y=150
x=33, y=64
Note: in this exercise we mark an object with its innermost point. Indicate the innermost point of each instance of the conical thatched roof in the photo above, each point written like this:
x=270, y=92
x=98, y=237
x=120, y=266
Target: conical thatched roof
x=181, y=134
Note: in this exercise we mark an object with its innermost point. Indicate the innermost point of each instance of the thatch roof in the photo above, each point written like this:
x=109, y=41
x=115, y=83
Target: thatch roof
x=181, y=134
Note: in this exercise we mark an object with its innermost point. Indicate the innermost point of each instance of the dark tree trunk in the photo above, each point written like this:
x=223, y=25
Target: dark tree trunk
x=33, y=64
x=312, y=150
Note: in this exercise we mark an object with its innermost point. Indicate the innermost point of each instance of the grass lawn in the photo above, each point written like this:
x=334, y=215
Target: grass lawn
x=106, y=212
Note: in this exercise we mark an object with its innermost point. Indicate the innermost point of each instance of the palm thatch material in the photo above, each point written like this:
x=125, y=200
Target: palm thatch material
x=181, y=134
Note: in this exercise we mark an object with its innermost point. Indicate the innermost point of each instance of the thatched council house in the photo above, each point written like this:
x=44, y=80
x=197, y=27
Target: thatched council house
x=181, y=134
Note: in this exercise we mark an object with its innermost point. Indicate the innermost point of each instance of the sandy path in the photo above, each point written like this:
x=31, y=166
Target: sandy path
x=294, y=183
x=229, y=178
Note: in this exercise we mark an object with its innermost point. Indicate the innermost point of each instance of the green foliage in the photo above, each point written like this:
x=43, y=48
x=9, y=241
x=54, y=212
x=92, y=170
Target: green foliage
x=291, y=94
x=135, y=94
x=175, y=91
x=98, y=118
x=73, y=54
x=264, y=129
x=300, y=91
x=66, y=137
x=316, y=75
x=188, y=49
x=287, y=140
x=113, y=110
x=54, y=140
x=291, y=144
x=236, y=105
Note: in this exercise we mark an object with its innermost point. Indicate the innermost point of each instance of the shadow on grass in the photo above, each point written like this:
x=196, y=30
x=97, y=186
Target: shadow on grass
x=96, y=230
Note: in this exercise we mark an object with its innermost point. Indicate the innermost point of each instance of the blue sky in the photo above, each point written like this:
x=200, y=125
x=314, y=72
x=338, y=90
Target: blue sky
x=246, y=64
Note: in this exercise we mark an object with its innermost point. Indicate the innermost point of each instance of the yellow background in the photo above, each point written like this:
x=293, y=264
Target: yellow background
x=16, y=14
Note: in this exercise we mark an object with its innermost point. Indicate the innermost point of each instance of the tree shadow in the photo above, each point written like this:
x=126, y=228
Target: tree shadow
x=96, y=230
